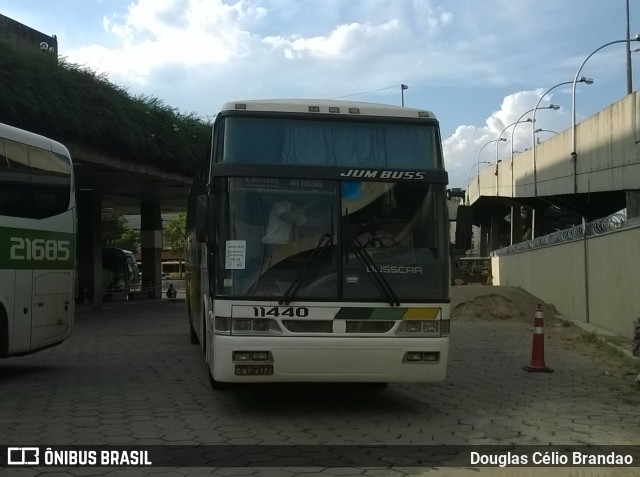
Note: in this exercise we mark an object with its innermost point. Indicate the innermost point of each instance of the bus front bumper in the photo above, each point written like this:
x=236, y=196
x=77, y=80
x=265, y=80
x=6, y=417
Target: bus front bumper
x=334, y=359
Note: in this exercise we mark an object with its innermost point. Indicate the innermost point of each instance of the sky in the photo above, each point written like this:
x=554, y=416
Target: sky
x=479, y=65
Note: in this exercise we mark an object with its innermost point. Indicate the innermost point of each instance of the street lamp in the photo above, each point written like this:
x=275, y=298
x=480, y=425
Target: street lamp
x=582, y=79
x=574, y=154
x=469, y=173
x=545, y=130
x=555, y=107
x=551, y=106
x=497, y=148
x=402, y=88
x=483, y=146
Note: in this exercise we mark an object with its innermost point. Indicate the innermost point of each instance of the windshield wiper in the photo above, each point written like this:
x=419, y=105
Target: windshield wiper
x=325, y=240
x=378, y=277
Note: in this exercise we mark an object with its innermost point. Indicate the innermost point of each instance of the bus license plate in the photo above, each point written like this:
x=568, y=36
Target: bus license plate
x=254, y=369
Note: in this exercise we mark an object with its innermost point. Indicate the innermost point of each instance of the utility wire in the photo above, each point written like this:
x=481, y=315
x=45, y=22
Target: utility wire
x=367, y=92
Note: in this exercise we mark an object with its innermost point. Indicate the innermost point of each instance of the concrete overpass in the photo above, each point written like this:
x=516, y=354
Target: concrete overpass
x=107, y=182
x=144, y=182
x=602, y=177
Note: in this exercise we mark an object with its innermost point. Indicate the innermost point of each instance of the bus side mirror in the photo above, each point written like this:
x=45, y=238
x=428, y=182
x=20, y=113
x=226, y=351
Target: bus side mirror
x=205, y=229
x=464, y=222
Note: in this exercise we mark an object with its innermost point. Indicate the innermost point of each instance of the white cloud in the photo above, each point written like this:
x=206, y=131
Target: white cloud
x=464, y=148
x=196, y=54
x=378, y=38
x=343, y=42
x=157, y=33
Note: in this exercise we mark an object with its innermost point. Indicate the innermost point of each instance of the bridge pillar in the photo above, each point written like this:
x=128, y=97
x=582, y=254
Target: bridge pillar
x=494, y=233
x=89, y=247
x=537, y=222
x=484, y=240
x=633, y=203
x=151, y=247
x=516, y=224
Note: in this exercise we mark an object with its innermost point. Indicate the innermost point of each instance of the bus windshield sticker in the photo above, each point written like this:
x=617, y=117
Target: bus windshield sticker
x=236, y=252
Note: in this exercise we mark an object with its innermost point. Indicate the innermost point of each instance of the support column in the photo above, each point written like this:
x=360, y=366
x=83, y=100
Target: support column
x=89, y=247
x=494, y=234
x=484, y=240
x=151, y=247
x=633, y=203
x=537, y=222
x=516, y=224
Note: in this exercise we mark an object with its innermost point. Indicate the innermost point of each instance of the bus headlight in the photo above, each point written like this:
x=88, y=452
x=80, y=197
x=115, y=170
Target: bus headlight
x=248, y=326
x=222, y=324
x=241, y=325
x=412, y=326
x=242, y=355
x=252, y=356
x=428, y=327
x=260, y=325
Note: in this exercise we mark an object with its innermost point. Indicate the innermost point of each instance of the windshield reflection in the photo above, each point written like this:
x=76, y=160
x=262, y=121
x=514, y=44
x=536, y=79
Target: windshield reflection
x=288, y=239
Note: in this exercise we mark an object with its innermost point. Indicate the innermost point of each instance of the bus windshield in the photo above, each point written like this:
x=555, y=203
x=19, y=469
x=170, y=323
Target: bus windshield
x=311, y=142
x=329, y=240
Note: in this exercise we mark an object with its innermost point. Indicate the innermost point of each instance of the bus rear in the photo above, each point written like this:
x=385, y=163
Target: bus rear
x=37, y=242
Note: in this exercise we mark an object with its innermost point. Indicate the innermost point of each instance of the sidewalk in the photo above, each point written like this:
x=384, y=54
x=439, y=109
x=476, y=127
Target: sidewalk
x=470, y=297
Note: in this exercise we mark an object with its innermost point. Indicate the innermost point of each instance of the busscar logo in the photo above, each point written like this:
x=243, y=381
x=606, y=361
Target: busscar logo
x=23, y=456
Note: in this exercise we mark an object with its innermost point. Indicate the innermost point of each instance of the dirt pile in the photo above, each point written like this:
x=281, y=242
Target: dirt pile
x=492, y=302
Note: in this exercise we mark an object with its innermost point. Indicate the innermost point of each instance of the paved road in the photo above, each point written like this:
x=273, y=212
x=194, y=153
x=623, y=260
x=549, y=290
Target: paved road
x=129, y=376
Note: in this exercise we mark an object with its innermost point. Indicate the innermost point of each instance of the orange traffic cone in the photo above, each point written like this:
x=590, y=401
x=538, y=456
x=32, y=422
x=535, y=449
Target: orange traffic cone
x=537, y=349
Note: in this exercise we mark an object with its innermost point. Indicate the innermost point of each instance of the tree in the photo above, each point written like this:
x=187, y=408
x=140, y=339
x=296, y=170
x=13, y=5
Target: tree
x=129, y=240
x=117, y=233
x=174, y=234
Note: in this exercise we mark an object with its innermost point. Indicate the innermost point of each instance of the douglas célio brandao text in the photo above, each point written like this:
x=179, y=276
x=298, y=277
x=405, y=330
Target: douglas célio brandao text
x=551, y=458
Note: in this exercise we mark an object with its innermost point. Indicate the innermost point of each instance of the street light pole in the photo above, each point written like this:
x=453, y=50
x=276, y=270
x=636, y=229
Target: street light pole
x=629, y=74
x=532, y=120
x=478, y=161
x=469, y=173
x=545, y=130
x=402, y=88
x=574, y=154
x=533, y=127
x=555, y=107
x=500, y=136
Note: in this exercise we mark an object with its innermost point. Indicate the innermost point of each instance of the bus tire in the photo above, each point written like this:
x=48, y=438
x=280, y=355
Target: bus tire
x=215, y=385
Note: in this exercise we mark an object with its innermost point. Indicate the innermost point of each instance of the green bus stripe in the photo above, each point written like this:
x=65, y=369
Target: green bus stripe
x=36, y=249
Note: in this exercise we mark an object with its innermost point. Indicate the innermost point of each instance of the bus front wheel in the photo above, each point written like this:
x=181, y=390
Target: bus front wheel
x=215, y=385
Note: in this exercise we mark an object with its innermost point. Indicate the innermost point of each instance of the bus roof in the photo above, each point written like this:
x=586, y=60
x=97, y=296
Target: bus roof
x=31, y=139
x=345, y=108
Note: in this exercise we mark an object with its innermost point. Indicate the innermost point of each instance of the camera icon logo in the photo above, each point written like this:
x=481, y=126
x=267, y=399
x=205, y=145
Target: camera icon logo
x=23, y=456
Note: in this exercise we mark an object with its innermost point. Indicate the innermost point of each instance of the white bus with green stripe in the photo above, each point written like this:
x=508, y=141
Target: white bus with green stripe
x=37, y=242
x=318, y=244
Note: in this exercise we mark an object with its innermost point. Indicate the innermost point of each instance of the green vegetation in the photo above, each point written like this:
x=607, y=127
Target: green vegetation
x=117, y=233
x=72, y=104
x=175, y=235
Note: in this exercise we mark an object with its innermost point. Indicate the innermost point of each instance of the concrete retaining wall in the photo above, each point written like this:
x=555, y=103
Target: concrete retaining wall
x=596, y=280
